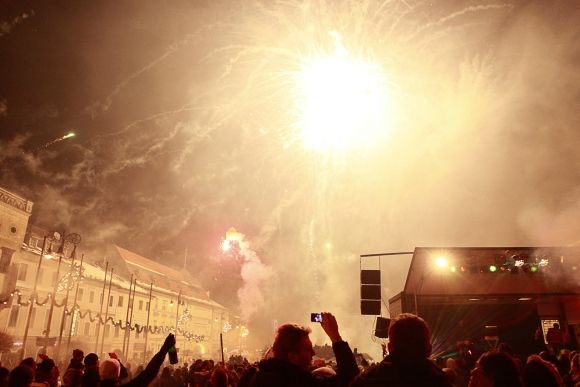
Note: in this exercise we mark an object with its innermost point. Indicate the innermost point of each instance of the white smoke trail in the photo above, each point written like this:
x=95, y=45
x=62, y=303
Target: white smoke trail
x=254, y=273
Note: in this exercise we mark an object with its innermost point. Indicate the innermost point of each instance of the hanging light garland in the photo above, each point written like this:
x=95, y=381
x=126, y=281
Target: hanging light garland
x=227, y=327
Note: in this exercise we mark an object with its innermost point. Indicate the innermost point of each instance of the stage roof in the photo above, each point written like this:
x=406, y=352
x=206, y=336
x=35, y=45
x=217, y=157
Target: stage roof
x=519, y=272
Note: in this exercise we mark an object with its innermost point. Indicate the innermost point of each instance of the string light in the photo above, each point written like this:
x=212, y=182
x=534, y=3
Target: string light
x=68, y=281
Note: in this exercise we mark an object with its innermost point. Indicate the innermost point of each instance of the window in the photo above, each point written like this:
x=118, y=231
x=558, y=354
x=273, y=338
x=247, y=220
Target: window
x=46, y=313
x=164, y=307
x=107, y=330
x=22, y=272
x=116, y=331
x=111, y=301
x=80, y=294
x=147, y=306
x=53, y=279
x=32, y=318
x=13, y=316
x=91, y=297
x=5, y=259
x=120, y=302
x=87, y=328
x=140, y=304
x=40, y=276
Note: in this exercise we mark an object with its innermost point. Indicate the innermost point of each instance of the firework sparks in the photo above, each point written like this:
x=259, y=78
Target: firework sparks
x=53, y=142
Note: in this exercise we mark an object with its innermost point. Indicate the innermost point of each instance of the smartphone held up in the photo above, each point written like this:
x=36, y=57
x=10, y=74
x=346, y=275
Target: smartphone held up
x=316, y=317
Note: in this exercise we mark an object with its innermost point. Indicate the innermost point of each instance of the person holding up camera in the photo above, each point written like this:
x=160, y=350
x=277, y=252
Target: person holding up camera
x=292, y=355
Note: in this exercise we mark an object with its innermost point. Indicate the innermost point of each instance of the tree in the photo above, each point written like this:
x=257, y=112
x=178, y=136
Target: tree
x=6, y=341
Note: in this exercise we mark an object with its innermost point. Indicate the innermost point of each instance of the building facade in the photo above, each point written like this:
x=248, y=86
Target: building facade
x=122, y=303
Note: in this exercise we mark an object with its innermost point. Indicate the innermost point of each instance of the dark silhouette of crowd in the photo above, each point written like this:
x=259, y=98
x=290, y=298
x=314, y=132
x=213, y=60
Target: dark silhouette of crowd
x=289, y=362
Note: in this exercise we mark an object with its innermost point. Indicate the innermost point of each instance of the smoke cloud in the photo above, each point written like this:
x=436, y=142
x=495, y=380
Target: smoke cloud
x=185, y=120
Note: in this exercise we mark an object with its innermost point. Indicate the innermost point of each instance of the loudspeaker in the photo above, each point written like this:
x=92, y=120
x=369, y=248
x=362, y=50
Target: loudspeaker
x=370, y=292
x=370, y=307
x=370, y=277
x=382, y=327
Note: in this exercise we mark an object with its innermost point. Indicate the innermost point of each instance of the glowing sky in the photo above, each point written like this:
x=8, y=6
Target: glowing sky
x=190, y=118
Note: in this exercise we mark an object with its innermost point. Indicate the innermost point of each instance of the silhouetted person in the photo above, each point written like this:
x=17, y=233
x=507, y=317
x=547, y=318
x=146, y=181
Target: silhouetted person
x=555, y=339
x=407, y=363
x=293, y=353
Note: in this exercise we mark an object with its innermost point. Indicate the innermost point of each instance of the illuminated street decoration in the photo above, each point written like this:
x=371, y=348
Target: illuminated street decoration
x=227, y=327
x=68, y=281
x=185, y=317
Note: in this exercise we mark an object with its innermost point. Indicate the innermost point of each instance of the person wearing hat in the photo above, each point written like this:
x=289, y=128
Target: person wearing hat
x=78, y=356
x=44, y=372
x=110, y=369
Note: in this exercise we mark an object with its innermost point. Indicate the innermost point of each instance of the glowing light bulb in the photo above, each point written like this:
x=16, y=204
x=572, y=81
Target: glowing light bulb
x=441, y=262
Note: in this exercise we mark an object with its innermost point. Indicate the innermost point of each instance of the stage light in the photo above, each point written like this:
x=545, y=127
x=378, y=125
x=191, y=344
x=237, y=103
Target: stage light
x=533, y=268
x=492, y=268
x=441, y=262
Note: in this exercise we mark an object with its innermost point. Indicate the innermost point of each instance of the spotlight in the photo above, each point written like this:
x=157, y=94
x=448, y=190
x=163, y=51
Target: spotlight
x=441, y=262
x=492, y=268
x=533, y=268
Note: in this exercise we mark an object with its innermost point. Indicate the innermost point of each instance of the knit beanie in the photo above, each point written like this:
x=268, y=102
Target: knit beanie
x=110, y=369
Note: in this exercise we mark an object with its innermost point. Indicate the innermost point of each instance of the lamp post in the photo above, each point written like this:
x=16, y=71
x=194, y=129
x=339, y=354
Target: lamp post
x=177, y=312
x=74, y=310
x=147, y=325
x=73, y=238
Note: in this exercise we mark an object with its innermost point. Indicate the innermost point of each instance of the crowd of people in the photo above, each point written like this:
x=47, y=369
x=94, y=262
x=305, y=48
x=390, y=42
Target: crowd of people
x=289, y=363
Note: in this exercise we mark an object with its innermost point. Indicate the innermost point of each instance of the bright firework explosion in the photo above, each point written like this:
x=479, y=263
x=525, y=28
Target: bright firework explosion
x=330, y=83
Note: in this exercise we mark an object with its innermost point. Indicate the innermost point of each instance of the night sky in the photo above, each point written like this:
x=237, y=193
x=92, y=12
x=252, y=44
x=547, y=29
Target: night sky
x=188, y=121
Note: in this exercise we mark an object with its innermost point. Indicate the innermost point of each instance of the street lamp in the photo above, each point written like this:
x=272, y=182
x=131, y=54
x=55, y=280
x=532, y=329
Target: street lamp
x=71, y=238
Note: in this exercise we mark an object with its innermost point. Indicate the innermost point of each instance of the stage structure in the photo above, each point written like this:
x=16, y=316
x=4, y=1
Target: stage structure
x=466, y=293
